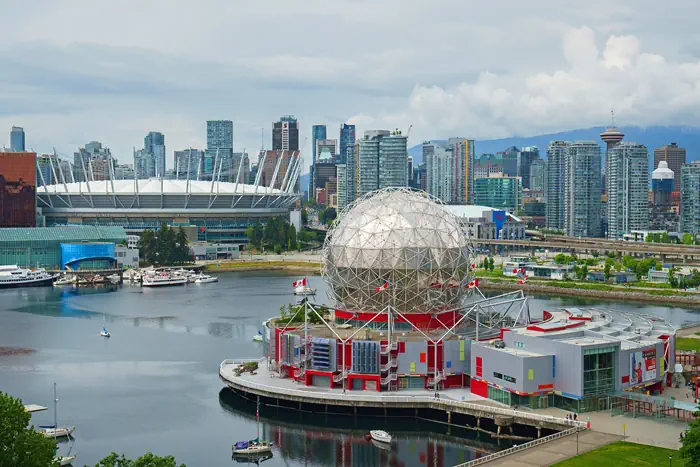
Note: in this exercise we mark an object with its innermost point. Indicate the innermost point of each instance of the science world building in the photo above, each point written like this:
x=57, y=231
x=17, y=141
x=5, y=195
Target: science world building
x=406, y=313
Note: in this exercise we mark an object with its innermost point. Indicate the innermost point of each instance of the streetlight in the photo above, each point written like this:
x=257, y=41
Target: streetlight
x=670, y=460
x=577, y=440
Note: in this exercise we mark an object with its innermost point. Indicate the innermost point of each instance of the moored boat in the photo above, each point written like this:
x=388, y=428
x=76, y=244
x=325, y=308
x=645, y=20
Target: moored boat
x=381, y=436
x=252, y=447
x=14, y=276
x=163, y=280
x=205, y=279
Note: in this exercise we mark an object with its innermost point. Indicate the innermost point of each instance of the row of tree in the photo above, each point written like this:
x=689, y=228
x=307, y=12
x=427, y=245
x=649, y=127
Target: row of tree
x=165, y=247
x=664, y=237
x=276, y=233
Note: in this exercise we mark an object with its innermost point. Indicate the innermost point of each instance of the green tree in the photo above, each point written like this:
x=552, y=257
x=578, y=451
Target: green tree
x=606, y=271
x=183, y=254
x=147, y=245
x=486, y=263
x=20, y=444
x=327, y=216
x=561, y=258
x=690, y=450
x=304, y=217
x=582, y=272
x=618, y=266
x=147, y=460
x=291, y=237
x=672, y=279
x=629, y=263
x=490, y=264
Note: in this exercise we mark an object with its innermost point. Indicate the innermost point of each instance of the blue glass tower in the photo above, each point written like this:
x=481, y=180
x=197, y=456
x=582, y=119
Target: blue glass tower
x=347, y=138
x=317, y=132
x=17, y=139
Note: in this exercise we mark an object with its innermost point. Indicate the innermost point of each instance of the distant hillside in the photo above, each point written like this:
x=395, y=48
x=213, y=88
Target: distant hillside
x=652, y=137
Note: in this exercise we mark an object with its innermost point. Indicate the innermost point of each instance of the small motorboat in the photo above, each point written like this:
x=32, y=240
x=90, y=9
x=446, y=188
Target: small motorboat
x=63, y=280
x=105, y=333
x=65, y=460
x=60, y=432
x=114, y=278
x=258, y=337
x=381, y=436
x=204, y=279
x=251, y=448
x=304, y=290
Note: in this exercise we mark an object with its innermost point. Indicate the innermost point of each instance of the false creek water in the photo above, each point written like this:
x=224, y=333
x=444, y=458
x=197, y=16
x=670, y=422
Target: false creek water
x=154, y=385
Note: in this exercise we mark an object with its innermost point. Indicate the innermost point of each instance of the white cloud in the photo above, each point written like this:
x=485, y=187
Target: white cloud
x=79, y=70
x=643, y=89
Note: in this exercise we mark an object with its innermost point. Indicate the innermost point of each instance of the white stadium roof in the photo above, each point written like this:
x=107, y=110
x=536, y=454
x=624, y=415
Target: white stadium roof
x=157, y=186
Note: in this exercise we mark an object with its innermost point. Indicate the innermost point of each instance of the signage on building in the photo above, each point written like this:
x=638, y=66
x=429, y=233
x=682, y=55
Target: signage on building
x=642, y=366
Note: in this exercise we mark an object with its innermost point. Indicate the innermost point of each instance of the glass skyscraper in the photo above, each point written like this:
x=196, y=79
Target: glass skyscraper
x=582, y=189
x=554, y=191
x=627, y=181
x=154, y=144
x=499, y=193
x=690, y=198
x=347, y=140
x=17, y=139
x=219, y=150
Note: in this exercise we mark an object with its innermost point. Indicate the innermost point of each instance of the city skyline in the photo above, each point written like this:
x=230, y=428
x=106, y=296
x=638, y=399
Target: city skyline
x=147, y=80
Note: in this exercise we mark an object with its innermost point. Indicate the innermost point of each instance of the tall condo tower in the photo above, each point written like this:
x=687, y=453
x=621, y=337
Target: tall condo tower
x=611, y=137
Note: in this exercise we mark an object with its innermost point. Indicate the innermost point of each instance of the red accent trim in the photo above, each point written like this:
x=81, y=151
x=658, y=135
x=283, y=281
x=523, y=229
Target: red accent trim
x=480, y=388
x=422, y=357
x=420, y=320
x=536, y=327
x=402, y=347
x=503, y=331
x=546, y=316
x=625, y=379
x=545, y=386
x=479, y=366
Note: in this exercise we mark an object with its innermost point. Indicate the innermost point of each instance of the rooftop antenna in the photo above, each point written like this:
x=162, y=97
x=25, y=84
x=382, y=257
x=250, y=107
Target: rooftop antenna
x=612, y=113
x=262, y=139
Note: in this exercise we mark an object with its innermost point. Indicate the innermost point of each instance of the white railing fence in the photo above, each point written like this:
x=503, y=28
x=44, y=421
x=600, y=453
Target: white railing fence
x=520, y=447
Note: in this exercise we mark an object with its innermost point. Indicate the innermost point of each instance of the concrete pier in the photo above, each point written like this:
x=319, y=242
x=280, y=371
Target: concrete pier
x=449, y=405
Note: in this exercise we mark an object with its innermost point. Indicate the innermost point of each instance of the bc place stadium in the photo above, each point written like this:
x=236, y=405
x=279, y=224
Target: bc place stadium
x=221, y=211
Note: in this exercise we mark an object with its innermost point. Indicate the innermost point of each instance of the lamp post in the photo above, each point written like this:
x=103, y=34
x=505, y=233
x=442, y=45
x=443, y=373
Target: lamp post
x=577, y=440
x=670, y=461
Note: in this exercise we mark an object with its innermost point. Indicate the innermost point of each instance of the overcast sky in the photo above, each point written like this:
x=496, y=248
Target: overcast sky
x=72, y=71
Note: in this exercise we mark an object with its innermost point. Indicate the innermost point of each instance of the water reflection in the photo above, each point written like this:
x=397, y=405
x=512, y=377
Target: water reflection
x=311, y=439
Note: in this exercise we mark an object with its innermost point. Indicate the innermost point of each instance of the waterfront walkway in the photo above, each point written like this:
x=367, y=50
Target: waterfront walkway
x=459, y=401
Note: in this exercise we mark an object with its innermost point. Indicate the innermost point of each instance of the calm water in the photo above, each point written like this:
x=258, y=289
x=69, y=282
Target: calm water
x=154, y=385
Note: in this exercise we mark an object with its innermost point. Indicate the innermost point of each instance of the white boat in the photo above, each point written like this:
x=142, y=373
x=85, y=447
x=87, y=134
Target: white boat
x=381, y=436
x=60, y=432
x=163, y=280
x=63, y=280
x=304, y=290
x=55, y=431
x=204, y=279
x=258, y=337
x=114, y=278
x=251, y=448
x=66, y=460
x=14, y=276
x=105, y=333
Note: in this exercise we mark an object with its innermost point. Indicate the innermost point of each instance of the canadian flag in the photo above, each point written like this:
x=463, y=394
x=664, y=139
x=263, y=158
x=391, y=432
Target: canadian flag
x=470, y=285
x=383, y=287
x=522, y=281
x=515, y=271
x=476, y=282
x=522, y=270
x=473, y=266
x=299, y=283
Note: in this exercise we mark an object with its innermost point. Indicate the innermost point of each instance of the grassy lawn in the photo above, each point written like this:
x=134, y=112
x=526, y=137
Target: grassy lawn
x=261, y=265
x=625, y=454
x=687, y=343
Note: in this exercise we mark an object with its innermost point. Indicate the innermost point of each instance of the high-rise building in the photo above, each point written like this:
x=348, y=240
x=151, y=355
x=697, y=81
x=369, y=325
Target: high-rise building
x=92, y=162
x=318, y=132
x=144, y=164
x=611, y=136
x=674, y=157
x=538, y=176
x=528, y=155
x=341, y=186
x=219, y=151
x=510, y=161
x=489, y=165
x=393, y=161
x=662, y=185
x=154, y=143
x=350, y=174
x=17, y=189
x=554, y=192
x=627, y=180
x=690, y=198
x=382, y=161
x=503, y=192
x=17, y=139
x=274, y=175
x=450, y=169
x=239, y=161
x=326, y=147
x=346, y=141
x=188, y=161
x=582, y=189
x=285, y=134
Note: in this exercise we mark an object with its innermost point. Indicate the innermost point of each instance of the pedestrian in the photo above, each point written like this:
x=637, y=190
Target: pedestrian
x=575, y=416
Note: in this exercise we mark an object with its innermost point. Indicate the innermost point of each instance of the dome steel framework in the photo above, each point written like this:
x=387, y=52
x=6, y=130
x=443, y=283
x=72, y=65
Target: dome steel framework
x=398, y=247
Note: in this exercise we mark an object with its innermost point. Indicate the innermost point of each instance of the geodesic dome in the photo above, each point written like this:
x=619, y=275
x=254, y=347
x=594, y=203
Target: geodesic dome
x=405, y=240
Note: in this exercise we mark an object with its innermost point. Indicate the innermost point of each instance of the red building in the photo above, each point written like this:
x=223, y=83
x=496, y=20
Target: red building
x=17, y=189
